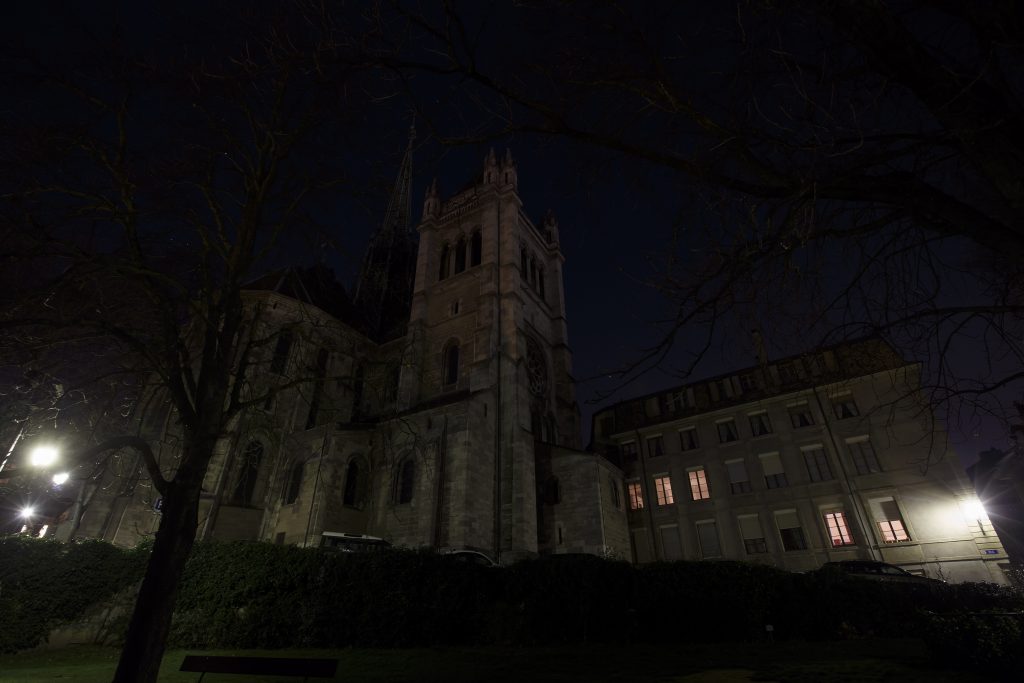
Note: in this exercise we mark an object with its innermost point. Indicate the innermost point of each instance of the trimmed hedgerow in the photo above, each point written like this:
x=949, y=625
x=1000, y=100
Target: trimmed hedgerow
x=45, y=583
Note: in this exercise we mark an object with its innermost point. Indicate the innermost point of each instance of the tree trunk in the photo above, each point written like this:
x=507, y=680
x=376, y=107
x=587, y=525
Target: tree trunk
x=151, y=619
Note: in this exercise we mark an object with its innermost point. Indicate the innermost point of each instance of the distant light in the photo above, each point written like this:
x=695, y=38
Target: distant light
x=28, y=512
x=43, y=456
x=61, y=477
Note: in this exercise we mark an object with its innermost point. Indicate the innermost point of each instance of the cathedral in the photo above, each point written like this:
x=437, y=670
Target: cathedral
x=438, y=407
x=435, y=407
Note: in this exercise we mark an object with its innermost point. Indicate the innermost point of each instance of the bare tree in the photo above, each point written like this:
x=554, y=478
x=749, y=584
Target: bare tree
x=142, y=189
x=843, y=168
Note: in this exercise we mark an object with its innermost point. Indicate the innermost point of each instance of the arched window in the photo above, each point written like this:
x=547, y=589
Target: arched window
x=291, y=491
x=451, y=364
x=476, y=245
x=540, y=282
x=460, y=255
x=552, y=491
x=405, y=482
x=445, y=268
x=281, y=351
x=357, y=393
x=248, y=473
x=524, y=266
x=351, y=495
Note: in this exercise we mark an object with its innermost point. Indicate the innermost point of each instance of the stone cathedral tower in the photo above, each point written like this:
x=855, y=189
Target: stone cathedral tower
x=488, y=320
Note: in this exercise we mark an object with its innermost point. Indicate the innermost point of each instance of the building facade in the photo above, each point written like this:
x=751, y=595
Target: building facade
x=822, y=457
x=436, y=407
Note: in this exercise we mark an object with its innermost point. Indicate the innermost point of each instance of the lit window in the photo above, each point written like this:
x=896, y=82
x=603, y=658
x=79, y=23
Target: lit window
x=688, y=440
x=739, y=481
x=707, y=538
x=655, y=447
x=753, y=538
x=760, y=424
x=890, y=521
x=636, y=496
x=774, y=474
x=801, y=416
x=699, y=485
x=844, y=407
x=663, y=487
x=862, y=453
x=790, y=532
x=816, y=460
x=838, y=529
x=727, y=431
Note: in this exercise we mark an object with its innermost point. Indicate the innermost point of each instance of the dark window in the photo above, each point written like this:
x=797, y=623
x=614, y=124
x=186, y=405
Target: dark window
x=533, y=270
x=776, y=481
x=318, y=387
x=475, y=249
x=727, y=431
x=628, y=451
x=445, y=267
x=540, y=283
x=655, y=447
x=248, y=472
x=818, y=468
x=801, y=416
x=524, y=265
x=864, y=459
x=740, y=486
x=552, y=491
x=451, y=364
x=394, y=377
x=793, y=539
x=748, y=382
x=755, y=546
x=787, y=373
x=760, y=424
x=406, y=482
x=845, y=407
x=351, y=495
x=291, y=492
x=707, y=537
x=279, y=538
x=460, y=255
x=616, y=496
x=688, y=440
x=281, y=351
x=357, y=394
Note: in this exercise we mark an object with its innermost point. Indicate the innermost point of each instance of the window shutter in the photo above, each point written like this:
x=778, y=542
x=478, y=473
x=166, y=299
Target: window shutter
x=890, y=510
x=787, y=519
x=772, y=464
x=707, y=536
x=737, y=471
x=750, y=527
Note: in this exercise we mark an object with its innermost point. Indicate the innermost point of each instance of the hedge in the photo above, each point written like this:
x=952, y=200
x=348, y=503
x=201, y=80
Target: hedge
x=258, y=595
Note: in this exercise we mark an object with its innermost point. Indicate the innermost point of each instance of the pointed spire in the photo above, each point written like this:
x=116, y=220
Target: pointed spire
x=491, y=167
x=551, y=227
x=509, y=175
x=384, y=287
x=432, y=201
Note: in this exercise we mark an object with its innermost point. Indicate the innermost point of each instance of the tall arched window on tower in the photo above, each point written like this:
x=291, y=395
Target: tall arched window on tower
x=405, y=481
x=476, y=246
x=451, y=364
x=460, y=255
x=352, y=496
x=248, y=472
x=533, y=271
x=445, y=267
x=524, y=264
x=294, y=484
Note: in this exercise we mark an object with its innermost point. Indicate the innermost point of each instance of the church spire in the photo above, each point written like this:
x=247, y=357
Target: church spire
x=384, y=287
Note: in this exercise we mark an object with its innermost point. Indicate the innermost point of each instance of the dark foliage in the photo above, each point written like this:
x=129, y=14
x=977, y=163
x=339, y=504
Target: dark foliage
x=44, y=584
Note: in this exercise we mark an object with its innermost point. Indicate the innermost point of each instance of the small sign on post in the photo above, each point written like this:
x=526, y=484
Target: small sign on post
x=158, y=504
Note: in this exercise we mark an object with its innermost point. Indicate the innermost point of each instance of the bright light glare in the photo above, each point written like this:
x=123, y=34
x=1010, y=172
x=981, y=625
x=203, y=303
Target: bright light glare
x=28, y=512
x=43, y=456
x=974, y=509
x=60, y=478
x=42, y=532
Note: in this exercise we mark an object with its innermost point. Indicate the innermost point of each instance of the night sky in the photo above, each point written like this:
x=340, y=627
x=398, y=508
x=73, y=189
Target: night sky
x=616, y=214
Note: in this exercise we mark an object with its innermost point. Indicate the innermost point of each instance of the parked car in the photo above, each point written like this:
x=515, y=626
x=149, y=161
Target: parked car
x=876, y=571
x=468, y=555
x=342, y=542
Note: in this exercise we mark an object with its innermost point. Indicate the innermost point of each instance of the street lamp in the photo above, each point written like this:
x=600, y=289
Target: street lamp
x=28, y=512
x=43, y=456
x=60, y=478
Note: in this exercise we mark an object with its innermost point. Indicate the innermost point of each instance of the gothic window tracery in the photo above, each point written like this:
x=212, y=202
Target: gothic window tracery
x=446, y=258
x=475, y=248
x=460, y=255
x=536, y=368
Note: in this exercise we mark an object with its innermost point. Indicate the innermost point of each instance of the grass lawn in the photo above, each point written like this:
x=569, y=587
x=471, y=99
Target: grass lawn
x=867, y=660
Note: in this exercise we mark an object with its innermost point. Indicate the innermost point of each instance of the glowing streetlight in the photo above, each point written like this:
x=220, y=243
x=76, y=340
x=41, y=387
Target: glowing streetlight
x=60, y=478
x=28, y=512
x=42, y=456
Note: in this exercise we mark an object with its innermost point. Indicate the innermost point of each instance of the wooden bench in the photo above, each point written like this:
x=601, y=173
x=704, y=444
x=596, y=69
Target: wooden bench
x=260, y=666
